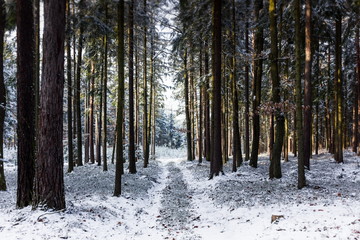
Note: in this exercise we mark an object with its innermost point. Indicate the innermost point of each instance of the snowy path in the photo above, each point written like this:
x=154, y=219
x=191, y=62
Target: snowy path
x=176, y=214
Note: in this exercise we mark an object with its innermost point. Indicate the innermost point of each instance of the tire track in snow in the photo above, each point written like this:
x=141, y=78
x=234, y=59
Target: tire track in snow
x=176, y=214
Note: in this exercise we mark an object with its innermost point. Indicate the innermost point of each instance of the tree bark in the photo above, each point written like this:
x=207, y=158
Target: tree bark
x=298, y=97
x=104, y=95
x=69, y=91
x=2, y=94
x=275, y=165
x=356, y=95
x=78, y=89
x=258, y=68
x=25, y=101
x=216, y=163
x=49, y=179
x=132, y=160
x=338, y=93
x=120, y=102
x=145, y=113
x=307, y=86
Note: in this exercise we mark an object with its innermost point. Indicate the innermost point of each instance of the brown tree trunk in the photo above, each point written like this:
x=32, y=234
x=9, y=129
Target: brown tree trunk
x=258, y=69
x=2, y=95
x=247, y=96
x=25, y=102
x=356, y=95
x=338, y=94
x=69, y=93
x=104, y=96
x=207, y=105
x=307, y=86
x=49, y=180
x=132, y=160
x=216, y=161
x=120, y=102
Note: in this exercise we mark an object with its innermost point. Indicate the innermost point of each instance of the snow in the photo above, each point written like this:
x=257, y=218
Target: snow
x=173, y=199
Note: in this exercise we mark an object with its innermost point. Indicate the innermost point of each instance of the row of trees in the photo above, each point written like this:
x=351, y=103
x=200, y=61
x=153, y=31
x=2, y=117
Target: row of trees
x=113, y=92
x=300, y=77
x=229, y=84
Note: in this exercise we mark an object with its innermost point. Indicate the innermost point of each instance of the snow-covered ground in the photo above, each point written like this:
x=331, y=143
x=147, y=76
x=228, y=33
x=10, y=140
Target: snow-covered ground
x=173, y=199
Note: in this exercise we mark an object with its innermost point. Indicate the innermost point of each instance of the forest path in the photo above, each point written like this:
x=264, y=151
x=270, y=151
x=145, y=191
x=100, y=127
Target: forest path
x=176, y=213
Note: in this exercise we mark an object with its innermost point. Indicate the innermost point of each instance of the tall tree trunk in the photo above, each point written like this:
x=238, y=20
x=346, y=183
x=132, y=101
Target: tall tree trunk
x=91, y=114
x=338, y=93
x=77, y=87
x=201, y=106
x=235, y=101
x=120, y=102
x=307, y=86
x=187, y=110
x=216, y=163
x=25, y=101
x=132, y=160
x=37, y=60
x=298, y=97
x=104, y=95
x=247, y=95
x=258, y=47
x=356, y=95
x=275, y=165
x=49, y=179
x=2, y=94
x=69, y=89
x=207, y=105
x=145, y=113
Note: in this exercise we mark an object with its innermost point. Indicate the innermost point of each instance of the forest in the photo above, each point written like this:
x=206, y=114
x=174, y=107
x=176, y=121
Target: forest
x=165, y=119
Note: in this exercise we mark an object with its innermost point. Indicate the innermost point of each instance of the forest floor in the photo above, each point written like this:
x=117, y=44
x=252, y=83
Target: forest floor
x=173, y=199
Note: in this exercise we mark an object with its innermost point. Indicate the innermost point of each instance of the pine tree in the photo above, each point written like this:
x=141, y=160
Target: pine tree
x=2, y=95
x=25, y=101
x=49, y=180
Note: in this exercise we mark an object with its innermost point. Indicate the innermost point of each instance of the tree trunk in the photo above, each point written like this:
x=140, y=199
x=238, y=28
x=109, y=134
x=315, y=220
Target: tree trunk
x=207, y=105
x=275, y=165
x=132, y=160
x=356, y=95
x=145, y=113
x=69, y=93
x=25, y=102
x=307, y=86
x=247, y=100
x=120, y=102
x=235, y=101
x=187, y=110
x=2, y=94
x=258, y=68
x=216, y=162
x=104, y=95
x=298, y=97
x=77, y=87
x=49, y=179
x=338, y=93
x=91, y=114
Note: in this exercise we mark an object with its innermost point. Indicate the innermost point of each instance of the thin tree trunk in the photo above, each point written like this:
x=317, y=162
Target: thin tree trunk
x=247, y=96
x=69, y=89
x=49, y=179
x=132, y=160
x=145, y=113
x=2, y=94
x=77, y=87
x=338, y=94
x=307, y=86
x=356, y=95
x=207, y=105
x=25, y=102
x=298, y=97
x=258, y=47
x=187, y=110
x=104, y=95
x=91, y=114
x=120, y=102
